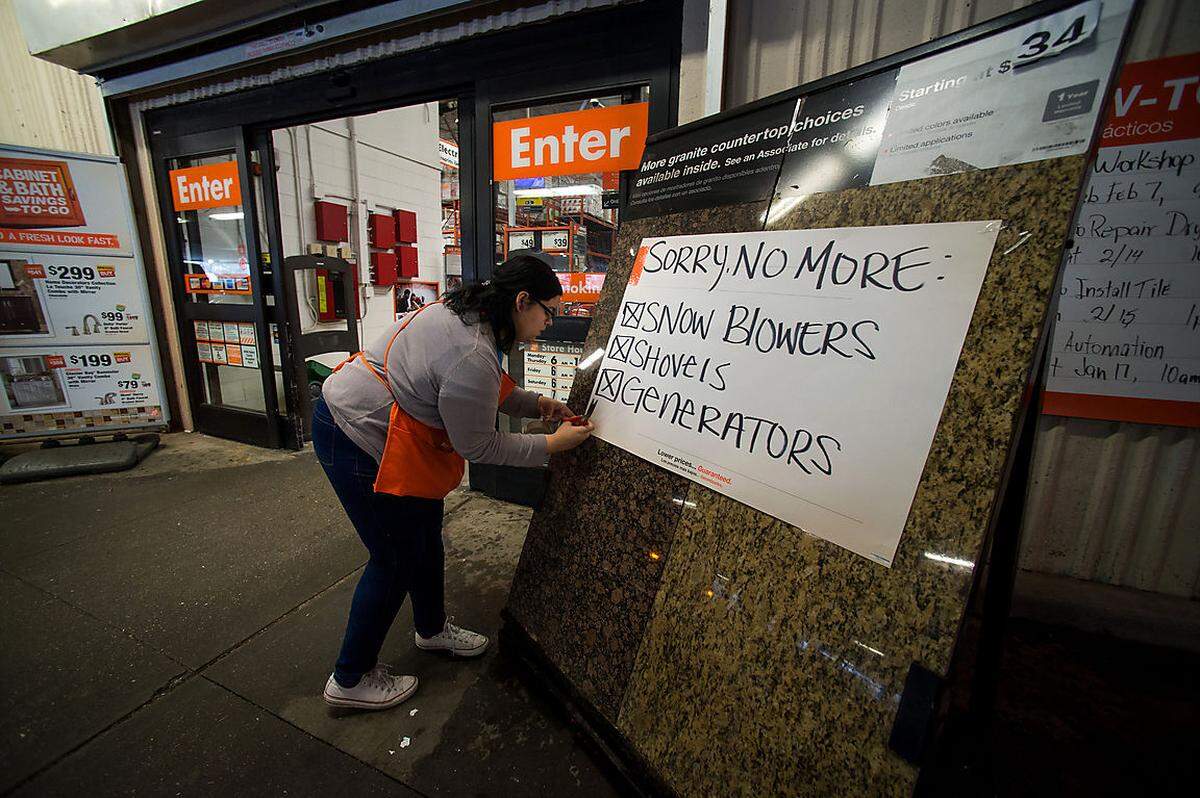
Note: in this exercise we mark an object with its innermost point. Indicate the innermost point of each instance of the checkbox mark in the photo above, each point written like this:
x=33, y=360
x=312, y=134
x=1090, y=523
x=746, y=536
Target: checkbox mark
x=620, y=348
x=608, y=384
x=631, y=314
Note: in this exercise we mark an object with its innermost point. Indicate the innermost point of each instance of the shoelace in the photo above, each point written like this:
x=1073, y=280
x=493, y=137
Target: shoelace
x=457, y=633
x=379, y=676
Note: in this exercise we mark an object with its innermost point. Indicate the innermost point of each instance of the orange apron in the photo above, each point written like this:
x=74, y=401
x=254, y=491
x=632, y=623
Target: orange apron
x=418, y=460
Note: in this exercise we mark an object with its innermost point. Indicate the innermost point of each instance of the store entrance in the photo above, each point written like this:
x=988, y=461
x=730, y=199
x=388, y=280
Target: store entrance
x=417, y=212
x=379, y=192
x=210, y=195
x=568, y=213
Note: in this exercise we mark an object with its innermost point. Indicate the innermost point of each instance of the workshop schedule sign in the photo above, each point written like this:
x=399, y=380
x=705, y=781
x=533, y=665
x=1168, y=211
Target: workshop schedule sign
x=1126, y=338
x=800, y=372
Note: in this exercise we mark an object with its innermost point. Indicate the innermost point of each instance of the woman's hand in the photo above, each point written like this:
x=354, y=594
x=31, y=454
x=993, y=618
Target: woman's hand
x=552, y=409
x=568, y=436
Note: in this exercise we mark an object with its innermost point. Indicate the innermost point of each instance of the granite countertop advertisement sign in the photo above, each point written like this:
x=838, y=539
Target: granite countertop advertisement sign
x=726, y=163
x=1024, y=94
x=800, y=372
x=822, y=142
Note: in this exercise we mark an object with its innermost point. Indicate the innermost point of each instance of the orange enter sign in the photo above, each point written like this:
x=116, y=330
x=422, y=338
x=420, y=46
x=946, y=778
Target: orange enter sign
x=210, y=186
x=596, y=140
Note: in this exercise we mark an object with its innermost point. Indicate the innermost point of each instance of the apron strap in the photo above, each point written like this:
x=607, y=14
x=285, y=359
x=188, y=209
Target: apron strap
x=367, y=361
x=387, y=350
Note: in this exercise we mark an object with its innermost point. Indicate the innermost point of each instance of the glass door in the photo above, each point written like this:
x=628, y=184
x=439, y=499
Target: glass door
x=570, y=215
x=208, y=192
x=568, y=212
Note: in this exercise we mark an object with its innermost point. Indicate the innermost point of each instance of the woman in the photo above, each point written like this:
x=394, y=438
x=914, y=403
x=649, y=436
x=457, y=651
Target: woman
x=391, y=432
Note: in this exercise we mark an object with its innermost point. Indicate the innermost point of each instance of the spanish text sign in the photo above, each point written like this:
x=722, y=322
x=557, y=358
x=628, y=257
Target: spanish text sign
x=1126, y=339
x=800, y=372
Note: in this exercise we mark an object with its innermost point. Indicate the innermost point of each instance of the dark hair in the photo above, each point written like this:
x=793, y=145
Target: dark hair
x=492, y=301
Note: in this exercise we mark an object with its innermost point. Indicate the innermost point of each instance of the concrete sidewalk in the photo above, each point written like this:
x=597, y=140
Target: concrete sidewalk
x=168, y=630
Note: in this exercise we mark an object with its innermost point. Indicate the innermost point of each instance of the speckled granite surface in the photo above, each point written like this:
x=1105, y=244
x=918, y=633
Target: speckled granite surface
x=773, y=661
x=587, y=578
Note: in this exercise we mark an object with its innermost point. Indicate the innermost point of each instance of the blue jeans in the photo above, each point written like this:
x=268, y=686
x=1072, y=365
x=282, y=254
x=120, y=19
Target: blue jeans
x=403, y=535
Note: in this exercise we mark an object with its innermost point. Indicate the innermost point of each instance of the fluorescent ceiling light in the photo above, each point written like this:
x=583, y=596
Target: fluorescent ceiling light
x=560, y=191
x=223, y=217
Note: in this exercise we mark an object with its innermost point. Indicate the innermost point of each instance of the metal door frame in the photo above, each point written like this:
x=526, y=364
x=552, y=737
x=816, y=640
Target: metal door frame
x=615, y=48
x=262, y=429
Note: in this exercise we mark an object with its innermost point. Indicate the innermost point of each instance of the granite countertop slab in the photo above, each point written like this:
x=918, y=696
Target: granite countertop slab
x=586, y=580
x=773, y=661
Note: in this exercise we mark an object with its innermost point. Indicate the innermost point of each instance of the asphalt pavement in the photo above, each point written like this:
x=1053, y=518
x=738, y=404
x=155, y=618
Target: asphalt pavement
x=168, y=631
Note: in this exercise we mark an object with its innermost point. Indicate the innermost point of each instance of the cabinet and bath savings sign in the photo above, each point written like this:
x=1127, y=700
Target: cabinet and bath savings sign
x=800, y=372
x=38, y=194
x=77, y=350
x=53, y=204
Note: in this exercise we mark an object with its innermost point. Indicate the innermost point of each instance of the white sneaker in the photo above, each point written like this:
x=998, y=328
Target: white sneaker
x=454, y=640
x=378, y=689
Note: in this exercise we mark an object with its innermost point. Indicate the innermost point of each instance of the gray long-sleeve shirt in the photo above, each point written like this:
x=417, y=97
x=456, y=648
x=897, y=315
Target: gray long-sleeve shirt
x=445, y=374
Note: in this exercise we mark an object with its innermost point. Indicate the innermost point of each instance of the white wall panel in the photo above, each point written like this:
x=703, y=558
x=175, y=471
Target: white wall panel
x=398, y=167
x=1115, y=503
x=1111, y=502
x=776, y=44
x=45, y=105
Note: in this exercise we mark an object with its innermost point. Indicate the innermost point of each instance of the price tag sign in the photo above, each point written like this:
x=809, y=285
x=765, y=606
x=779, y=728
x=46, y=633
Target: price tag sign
x=520, y=240
x=47, y=380
x=73, y=300
x=1002, y=100
x=555, y=239
x=1055, y=33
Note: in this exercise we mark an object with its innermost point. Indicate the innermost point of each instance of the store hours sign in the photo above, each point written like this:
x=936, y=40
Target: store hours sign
x=800, y=372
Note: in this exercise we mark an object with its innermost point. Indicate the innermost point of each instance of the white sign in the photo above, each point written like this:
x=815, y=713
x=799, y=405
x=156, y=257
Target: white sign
x=1002, y=100
x=71, y=299
x=800, y=372
x=77, y=351
x=54, y=379
x=1128, y=319
x=520, y=240
x=98, y=203
x=448, y=153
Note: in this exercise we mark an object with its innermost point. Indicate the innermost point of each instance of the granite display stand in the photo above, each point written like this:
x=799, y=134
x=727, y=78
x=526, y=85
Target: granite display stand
x=721, y=651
